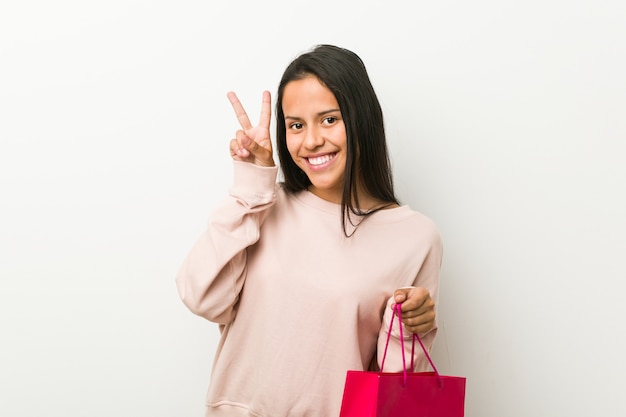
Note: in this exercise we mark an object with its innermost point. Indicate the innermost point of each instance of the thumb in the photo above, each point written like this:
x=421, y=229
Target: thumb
x=262, y=154
x=401, y=294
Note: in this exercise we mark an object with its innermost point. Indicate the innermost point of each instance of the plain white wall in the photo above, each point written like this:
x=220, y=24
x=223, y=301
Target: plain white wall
x=506, y=124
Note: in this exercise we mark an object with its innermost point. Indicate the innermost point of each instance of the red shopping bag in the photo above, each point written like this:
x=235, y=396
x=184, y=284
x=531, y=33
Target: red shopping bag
x=403, y=394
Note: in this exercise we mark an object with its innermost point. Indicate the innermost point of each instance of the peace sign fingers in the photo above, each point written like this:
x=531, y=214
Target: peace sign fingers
x=253, y=143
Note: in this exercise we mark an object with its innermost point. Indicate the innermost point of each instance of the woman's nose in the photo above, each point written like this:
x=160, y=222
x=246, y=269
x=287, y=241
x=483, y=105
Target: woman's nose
x=313, y=139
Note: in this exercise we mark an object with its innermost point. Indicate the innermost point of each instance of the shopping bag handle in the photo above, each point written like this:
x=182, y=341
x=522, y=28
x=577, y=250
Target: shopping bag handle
x=397, y=311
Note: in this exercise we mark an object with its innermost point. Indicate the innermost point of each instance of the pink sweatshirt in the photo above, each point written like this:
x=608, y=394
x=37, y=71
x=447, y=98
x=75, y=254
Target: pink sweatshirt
x=298, y=303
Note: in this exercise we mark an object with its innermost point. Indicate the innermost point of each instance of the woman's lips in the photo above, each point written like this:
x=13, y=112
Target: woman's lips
x=320, y=161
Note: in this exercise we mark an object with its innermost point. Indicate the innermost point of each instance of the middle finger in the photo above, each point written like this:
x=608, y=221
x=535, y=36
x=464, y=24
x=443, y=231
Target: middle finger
x=242, y=116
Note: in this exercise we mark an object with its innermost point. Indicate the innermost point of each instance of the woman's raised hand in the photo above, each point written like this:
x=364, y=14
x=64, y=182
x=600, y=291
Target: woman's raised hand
x=252, y=144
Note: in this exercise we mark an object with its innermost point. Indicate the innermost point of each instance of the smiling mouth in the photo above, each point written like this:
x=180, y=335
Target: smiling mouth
x=321, y=160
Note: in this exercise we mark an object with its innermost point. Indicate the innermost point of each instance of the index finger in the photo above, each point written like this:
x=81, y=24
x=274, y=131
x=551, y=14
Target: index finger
x=242, y=116
x=266, y=110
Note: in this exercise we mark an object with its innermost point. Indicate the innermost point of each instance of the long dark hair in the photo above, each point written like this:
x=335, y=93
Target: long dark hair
x=367, y=161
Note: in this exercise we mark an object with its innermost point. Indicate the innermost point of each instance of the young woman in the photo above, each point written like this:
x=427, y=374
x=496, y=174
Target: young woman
x=302, y=275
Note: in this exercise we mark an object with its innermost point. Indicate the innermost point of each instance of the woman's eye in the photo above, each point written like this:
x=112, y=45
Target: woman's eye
x=329, y=120
x=295, y=126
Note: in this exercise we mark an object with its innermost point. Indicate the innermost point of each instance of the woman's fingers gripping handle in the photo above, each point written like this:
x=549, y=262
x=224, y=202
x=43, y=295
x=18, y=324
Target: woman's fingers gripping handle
x=252, y=143
x=418, y=309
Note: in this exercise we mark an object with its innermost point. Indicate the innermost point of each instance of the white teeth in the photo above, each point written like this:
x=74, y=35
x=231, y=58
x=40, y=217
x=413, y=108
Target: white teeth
x=319, y=160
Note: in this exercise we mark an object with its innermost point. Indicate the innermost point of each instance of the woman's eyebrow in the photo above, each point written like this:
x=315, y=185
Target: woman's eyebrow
x=322, y=113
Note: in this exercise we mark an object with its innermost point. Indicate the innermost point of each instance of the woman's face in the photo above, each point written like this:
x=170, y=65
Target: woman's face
x=316, y=135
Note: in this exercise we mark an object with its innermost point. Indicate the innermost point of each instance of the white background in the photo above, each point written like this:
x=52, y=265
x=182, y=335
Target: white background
x=506, y=123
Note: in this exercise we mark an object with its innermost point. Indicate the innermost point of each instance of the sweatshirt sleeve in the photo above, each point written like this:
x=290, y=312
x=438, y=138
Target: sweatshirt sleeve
x=213, y=273
x=427, y=277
